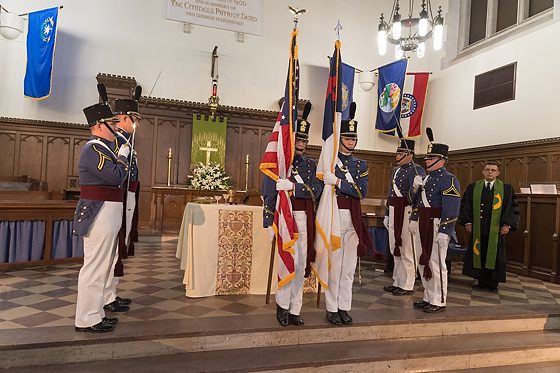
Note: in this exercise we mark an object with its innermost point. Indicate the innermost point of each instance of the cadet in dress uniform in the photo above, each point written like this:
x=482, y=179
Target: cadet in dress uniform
x=127, y=112
x=98, y=216
x=306, y=190
x=433, y=224
x=397, y=216
x=351, y=181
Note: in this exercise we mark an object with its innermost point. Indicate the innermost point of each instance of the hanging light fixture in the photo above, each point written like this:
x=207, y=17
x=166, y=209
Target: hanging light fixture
x=411, y=33
x=11, y=25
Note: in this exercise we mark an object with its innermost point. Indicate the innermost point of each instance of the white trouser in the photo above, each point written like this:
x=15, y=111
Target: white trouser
x=100, y=247
x=110, y=293
x=290, y=296
x=433, y=287
x=343, y=266
x=404, y=272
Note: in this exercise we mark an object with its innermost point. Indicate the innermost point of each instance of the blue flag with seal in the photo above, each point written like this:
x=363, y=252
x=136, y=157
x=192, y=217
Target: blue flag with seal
x=390, y=90
x=41, y=40
x=347, y=73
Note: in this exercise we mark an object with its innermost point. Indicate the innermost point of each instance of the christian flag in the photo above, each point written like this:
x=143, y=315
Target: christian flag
x=277, y=163
x=41, y=40
x=415, y=87
x=327, y=222
x=389, y=90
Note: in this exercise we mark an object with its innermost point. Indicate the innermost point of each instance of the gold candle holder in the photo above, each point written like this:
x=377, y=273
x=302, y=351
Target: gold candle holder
x=169, y=158
x=247, y=163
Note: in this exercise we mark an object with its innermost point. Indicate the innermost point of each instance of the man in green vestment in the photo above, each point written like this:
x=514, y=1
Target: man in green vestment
x=488, y=212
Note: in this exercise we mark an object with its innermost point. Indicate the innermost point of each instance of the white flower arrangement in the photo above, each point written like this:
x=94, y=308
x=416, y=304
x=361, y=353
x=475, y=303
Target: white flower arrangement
x=209, y=177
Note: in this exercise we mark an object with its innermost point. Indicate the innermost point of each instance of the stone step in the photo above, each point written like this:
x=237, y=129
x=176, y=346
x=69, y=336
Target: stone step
x=61, y=345
x=408, y=354
x=547, y=367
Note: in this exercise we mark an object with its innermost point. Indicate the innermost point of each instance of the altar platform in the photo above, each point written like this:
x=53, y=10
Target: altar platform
x=520, y=325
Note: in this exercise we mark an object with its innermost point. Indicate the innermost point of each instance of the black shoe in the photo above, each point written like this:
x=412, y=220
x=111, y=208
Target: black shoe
x=123, y=301
x=493, y=289
x=479, y=287
x=295, y=319
x=101, y=327
x=345, y=317
x=400, y=292
x=281, y=315
x=115, y=306
x=334, y=318
x=421, y=304
x=430, y=308
x=111, y=320
x=390, y=289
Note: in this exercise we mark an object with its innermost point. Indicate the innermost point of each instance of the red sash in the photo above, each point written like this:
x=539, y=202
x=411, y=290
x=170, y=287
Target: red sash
x=426, y=217
x=398, y=203
x=307, y=205
x=101, y=193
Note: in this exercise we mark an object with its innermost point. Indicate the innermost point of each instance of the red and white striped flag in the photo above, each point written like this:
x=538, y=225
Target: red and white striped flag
x=277, y=163
x=415, y=87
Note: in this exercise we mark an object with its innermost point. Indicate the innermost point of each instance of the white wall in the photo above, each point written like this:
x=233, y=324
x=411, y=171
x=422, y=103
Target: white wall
x=530, y=116
x=132, y=38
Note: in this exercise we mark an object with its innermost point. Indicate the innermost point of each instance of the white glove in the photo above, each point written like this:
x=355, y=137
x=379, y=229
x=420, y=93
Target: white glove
x=386, y=222
x=330, y=178
x=442, y=240
x=413, y=227
x=284, y=184
x=270, y=232
x=418, y=182
x=124, y=150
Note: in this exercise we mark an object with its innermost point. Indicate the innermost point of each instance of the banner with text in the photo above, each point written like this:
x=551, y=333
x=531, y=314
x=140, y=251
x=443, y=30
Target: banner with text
x=234, y=15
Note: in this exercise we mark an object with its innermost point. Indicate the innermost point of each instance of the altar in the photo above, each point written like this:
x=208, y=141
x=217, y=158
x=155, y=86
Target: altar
x=224, y=250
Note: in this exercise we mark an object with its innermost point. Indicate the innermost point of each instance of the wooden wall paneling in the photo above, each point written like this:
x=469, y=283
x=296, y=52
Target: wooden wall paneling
x=77, y=146
x=537, y=169
x=166, y=137
x=251, y=140
x=555, y=249
x=515, y=243
x=144, y=144
x=514, y=172
x=465, y=172
x=233, y=153
x=555, y=168
x=57, y=161
x=8, y=146
x=540, y=261
x=185, y=146
x=378, y=178
x=30, y=155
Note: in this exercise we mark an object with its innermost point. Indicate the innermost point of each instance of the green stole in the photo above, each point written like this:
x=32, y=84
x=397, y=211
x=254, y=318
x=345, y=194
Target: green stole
x=493, y=238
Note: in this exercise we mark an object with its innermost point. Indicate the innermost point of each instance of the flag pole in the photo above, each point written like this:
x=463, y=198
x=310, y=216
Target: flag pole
x=26, y=14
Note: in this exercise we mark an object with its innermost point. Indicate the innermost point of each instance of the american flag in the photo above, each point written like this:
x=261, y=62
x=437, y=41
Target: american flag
x=327, y=222
x=277, y=163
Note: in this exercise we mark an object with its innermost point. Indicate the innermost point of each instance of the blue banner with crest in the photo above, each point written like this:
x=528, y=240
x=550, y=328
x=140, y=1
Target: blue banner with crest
x=41, y=40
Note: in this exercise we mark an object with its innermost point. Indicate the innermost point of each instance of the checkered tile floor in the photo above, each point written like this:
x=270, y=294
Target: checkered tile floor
x=47, y=296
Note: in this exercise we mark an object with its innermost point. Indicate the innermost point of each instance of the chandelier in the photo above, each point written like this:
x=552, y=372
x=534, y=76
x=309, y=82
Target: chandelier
x=420, y=29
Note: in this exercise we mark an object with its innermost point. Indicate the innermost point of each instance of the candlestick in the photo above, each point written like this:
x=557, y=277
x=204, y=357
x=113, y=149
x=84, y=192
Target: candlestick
x=247, y=162
x=169, y=158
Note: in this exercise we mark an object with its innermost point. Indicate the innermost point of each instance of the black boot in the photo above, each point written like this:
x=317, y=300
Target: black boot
x=345, y=317
x=281, y=315
x=334, y=318
x=295, y=319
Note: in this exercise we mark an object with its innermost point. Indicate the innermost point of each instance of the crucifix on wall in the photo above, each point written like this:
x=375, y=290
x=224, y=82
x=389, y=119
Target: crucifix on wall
x=209, y=150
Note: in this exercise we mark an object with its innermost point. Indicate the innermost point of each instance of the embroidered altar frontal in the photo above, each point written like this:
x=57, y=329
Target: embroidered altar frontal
x=235, y=240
